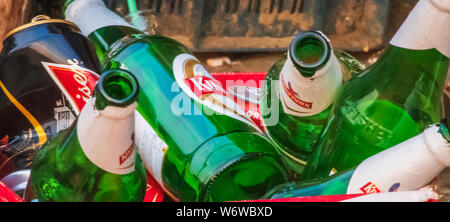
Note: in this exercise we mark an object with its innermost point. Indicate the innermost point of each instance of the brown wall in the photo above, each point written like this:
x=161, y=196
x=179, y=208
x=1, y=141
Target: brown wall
x=12, y=14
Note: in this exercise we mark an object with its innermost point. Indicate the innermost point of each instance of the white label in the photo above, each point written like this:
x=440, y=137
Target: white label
x=427, y=27
x=198, y=84
x=246, y=93
x=108, y=142
x=307, y=96
x=91, y=15
x=151, y=148
x=407, y=166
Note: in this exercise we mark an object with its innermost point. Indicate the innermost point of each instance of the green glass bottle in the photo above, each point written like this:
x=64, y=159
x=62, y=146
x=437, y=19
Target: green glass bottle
x=388, y=171
x=298, y=92
x=193, y=139
x=392, y=100
x=95, y=159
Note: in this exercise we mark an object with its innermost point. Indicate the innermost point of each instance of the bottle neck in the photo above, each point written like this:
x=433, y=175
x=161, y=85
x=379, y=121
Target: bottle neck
x=307, y=96
x=101, y=25
x=104, y=38
x=107, y=137
x=92, y=15
x=426, y=27
x=406, y=166
x=105, y=126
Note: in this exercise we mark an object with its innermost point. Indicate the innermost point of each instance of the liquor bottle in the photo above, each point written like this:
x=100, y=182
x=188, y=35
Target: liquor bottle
x=192, y=138
x=391, y=101
x=407, y=166
x=298, y=92
x=95, y=159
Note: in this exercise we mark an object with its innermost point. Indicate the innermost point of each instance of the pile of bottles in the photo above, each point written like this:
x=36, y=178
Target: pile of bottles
x=93, y=107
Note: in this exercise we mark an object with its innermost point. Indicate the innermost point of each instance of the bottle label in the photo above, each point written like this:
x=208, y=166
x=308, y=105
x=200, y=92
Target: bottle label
x=76, y=82
x=107, y=142
x=426, y=27
x=151, y=147
x=302, y=96
x=198, y=84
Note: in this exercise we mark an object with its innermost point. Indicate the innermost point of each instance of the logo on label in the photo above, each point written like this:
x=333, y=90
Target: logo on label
x=370, y=188
x=124, y=157
x=202, y=85
x=198, y=84
x=77, y=83
x=394, y=187
x=294, y=95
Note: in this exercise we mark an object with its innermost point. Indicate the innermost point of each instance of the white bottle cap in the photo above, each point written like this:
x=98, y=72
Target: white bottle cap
x=91, y=15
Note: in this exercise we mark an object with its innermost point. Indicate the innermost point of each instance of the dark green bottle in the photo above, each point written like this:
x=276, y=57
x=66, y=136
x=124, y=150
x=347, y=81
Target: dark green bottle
x=95, y=159
x=194, y=140
x=298, y=92
x=391, y=101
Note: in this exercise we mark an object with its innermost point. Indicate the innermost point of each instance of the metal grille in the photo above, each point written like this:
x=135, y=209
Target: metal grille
x=266, y=25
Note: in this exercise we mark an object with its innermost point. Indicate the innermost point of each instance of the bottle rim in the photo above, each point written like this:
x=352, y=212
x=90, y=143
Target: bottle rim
x=310, y=67
x=126, y=76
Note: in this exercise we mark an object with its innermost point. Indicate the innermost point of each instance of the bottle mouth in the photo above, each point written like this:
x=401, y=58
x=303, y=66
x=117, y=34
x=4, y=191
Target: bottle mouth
x=117, y=88
x=310, y=51
x=443, y=129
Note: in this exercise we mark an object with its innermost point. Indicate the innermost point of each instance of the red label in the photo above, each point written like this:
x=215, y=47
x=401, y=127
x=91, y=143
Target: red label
x=124, y=157
x=202, y=85
x=153, y=192
x=250, y=79
x=77, y=83
x=7, y=195
x=294, y=96
x=370, y=188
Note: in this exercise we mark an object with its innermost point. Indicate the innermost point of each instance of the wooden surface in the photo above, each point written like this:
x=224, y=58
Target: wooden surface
x=13, y=13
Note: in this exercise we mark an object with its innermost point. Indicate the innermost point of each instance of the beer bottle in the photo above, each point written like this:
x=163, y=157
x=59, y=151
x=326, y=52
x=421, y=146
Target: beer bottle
x=193, y=139
x=298, y=92
x=409, y=165
x=95, y=159
x=392, y=100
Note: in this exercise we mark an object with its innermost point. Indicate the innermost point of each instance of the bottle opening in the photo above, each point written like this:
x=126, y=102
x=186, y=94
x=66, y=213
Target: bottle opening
x=310, y=51
x=117, y=87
